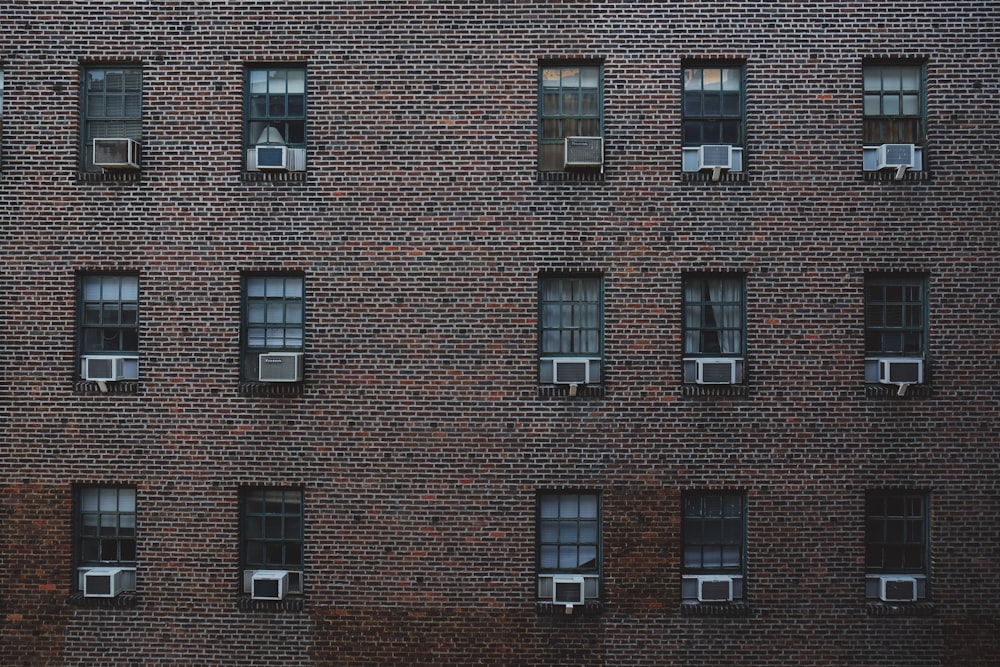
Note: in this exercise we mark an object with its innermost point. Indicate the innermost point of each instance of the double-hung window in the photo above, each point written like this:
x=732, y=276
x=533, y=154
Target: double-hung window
x=105, y=540
x=897, y=529
x=570, y=117
x=112, y=118
x=275, y=119
x=714, y=328
x=895, y=328
x=569, y=547
x=1, y=108
x=713, y=531
x=272, y=522
x=713, y=123
x=273, y=328
x=571, y=320
x=109, y=327
x=895, y=117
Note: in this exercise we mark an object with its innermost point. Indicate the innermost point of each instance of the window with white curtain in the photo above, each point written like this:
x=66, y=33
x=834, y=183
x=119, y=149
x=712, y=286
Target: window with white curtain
x=571, y=323
x=714, y=320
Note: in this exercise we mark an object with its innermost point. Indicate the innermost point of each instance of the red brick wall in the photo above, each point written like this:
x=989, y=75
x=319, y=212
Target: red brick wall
x=420, y=437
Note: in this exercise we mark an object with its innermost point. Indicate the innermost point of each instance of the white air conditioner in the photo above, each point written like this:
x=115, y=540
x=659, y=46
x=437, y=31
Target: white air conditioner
x=116, y=153
x=901, y=370
x=897, y=589
x=269, y=585
x=715, y=371
x=102, y=582
x=896, y=156
x=271, y=158
x=103, y=368
x=279, y=367
x=573, y=370
x=584, y=151
x=715, y=588
x=568, y=590
x=715, y=156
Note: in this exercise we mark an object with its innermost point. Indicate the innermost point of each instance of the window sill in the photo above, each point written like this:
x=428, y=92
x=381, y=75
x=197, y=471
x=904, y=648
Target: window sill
x=126, y=600
x=588, y=608
x=564, y=391
x=124, y=176
x=706, y=177
x=590, y=175
x=909, y=175
x=271, y=388
x=119, y=387
x=274, y=176
x=715, y=390
x=727, y=609
x=878, y=608
x=890, y=392
x=290, y=603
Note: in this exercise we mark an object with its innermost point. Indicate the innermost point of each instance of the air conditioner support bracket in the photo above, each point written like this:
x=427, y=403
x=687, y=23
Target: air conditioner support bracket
x=900, y=170
x=572, y=392
x=716, y=173
x=903, y=386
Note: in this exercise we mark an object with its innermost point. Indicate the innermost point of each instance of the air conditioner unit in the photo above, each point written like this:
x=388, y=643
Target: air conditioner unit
x=271, y=158
x=895, y=156
x=584, y=151
x=715, y=588
x=897, y=589
x=279, y=367
x=102, y=582
x=900, y=370
x=568, y=591
x=715, y=157
x=269, y=585
x=715, y=371
x=103, y=368
x=571, y=371
x=116, y=153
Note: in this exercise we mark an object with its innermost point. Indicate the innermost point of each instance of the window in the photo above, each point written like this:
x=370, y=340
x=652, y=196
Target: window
x=275, y=119
x=273, y=322
x=105, y=527
x=895, y=327
x=112, y=118
x=714, y=328
x=570, y=105
x=713, y=531
x=713, y=115
x=1, y=102
x=896, y=545
x=272, y=534
x=571, y=317
x=569, y=547
x=109, y=327
x=894, y=112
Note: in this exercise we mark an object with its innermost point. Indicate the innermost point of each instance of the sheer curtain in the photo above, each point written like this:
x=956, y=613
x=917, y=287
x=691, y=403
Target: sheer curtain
x=725, y=295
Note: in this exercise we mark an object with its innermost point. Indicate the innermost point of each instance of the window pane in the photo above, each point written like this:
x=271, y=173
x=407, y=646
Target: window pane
x=296, y=81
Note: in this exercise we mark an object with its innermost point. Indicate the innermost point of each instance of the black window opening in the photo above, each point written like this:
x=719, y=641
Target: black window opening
x=105, y=545
x=273, y=538
x=108, y=327
x=713, y=532
x=897, y=531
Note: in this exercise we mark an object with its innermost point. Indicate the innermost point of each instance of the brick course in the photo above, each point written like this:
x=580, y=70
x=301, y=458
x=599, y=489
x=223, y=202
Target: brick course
x=420, y=436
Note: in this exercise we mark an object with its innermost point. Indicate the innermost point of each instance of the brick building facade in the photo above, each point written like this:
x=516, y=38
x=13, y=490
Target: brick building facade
x=522, y=333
